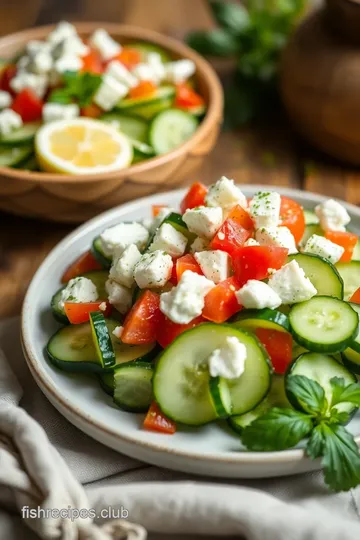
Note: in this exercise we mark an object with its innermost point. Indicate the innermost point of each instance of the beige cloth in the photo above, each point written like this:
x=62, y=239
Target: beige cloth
x=46, y=462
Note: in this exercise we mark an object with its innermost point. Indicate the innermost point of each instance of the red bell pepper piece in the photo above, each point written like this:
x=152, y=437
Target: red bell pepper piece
x=156, y=208
x=168, y=330
x=92, y=63
x=278, y=346
x=241, y=217
x=194, y=197
x=347, y=240
x=221, y=302
x=356, y=297
x=187, y=262
x=142, y=322
x=129, y=57
x=28, y=105
x=187, y=98
x=156, y=420
x=292, y=217
x=143, y=89
x=254, y=262
x=85, y=263
x=78, y=313
x=230, y=237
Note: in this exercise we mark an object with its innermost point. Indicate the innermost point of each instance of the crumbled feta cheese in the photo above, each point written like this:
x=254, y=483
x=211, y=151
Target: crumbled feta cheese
x=58, y=111
x=215, y=265
x=103, y=306
x=72, y=45
x=79, y=289
x=229, y=360
x=257, y=295
x=276, y=236
x=123, y=266
x=179, y=71
x=62, y=31
x=318, y=245
x=153, y=269
x=251, y=242
x=36, y=83
x=265, y=209
x=109, y=93
x=155, y=62
x=5, y=99
x=118, y=71
x=117, y=332
x=67, y=62
x=145, y=72
x=119, y=296
x=226, y=194
x=118, y=237
x=9, y=121
x=291, y=284
x=204, y=221
x=104, y=44
x=199, y=244
x=332, y=215
x=35, y=46
x=40, y=63
x=186, y=301
x=170, y=240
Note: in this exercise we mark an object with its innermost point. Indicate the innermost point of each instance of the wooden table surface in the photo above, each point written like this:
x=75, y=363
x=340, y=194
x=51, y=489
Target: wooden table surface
x=269, y=154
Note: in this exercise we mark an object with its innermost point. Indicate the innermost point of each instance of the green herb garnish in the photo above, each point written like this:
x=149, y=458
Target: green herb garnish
x=77, y=88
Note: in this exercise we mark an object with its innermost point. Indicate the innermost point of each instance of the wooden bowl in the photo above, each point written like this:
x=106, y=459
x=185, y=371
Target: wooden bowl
x=77, y=198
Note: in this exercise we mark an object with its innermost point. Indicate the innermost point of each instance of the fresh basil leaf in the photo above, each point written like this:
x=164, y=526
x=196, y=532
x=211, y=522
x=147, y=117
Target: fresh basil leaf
x=233, y=17
x=308, y=394
x=88, y=84
x=338, y=417
x=77, y=88
x=216, y=42
x=342, y=393
x=59, y=96
x=278, y=429
x=315, y=444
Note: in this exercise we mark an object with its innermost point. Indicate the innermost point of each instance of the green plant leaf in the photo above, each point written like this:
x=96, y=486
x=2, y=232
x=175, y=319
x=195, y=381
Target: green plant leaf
x=233, y=17
x=216, y=42
x=77, y=88
x=342, y=393
x=315, y=444
x=307, y=393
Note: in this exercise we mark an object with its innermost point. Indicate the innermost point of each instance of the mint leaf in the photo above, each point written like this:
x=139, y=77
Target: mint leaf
x=216, y=42
x=278, y=429
x=308, y=394
x=342, y=393
x=338, y=417
x=315, y=445
x=233, y=17
x=77, y=88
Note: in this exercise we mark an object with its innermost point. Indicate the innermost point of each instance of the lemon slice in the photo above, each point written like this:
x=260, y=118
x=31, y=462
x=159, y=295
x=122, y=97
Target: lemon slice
x=82, y=146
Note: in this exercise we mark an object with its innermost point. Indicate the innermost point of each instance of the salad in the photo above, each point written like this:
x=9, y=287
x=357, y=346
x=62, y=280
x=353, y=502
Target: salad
x=226, y=308
x=75, y=106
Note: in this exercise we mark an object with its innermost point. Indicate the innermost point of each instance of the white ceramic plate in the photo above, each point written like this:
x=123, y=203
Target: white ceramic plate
x=211, y=450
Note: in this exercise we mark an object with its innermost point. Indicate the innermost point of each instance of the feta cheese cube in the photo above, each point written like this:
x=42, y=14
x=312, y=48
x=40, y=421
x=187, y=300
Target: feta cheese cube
x=332, y=215
x=257, y=295
x=70, y=46
x=9, y=121
x=36, y=83
x=118, y=71
x=179, y=71
x=318, y=245
x=153, y=269
x=67, y=62
x=40, y=63
x=229, y=360
x=117, y=332
x=5, y=99
x=276, y=236
x=79, y=289
x=215, y=265
x=155, y=62
x=170, y=240
x=291, y=284
x=186, y=301
x=57, y=111
x=251, y=242
x=109, y=93
x=204, y=221
x=35, y=46
x=119, y=296
x=265, y=209
x=226, y=194
x=118, y=237
x=199, y=244
x=123, y=266
x=104, y=44
x=62, y=31
x=145, y=72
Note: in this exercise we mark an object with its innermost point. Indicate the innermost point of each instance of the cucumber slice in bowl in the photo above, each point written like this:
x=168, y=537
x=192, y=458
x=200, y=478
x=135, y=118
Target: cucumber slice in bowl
x=145, y=49
x=102, y=340
x=132, y=386
x=355, y=345
x=148, y=107
x=23, y=135
x=13, y=156
x=250, y=319
x=351, y=360
x=221, y=397
x=322, y=274
x=324, y=324
x=310, y=217
x=106, y=381
x=99, y=254
x=350, y=273
x=170, y=129
x=133, y=127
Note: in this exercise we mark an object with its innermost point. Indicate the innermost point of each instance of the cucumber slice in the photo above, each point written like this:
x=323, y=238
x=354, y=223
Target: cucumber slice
x=98, y=253
x=272, y=319
x=356, y=343
x=132, y=387
x=142, y=149
x=179, y=224
x=310, y=229
x=102, y=339
x=134, y=128
x=181, y=379
x=321, y=368
x=350, y=273
x=11, y=157
x=310, y=218
x=148, y=107
x=29, y=164
x=106, y=381
x=322, y=274
x=220, y=395
x=146, y=48
x=324, y=324
x=351, y=360
x=170, y=129
x=23, y=135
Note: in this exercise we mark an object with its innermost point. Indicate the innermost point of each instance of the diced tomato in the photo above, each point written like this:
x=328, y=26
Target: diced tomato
x=241, y=217
x=91, y=111
x=156, y=420
x=156, y=208
x=253, y=262
x=194, y=197
x=142, y=322
x=221, y=302
x=292, y=217
x=173, y=277
x=6, y=75
x=92, y=63
x=143, y=89
x=168, y=330
x=28, y=105
x=230, y=237
x=356, y=297
x=85, y=263
x=187, y=262
x=278, y=346
x=78, y=313
x=129, y=57
x=347, y=240
x=187, y=98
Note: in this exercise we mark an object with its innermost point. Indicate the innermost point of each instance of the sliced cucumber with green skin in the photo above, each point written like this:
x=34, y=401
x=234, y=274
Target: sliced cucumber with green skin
x=29, y=164
x=351, y=359
x=324, y=324
x=23, y=135
x=145, y=49
x=176, y=221
x=350, y=273
x=310, y=229
x=310, y=217
x=99, y=254
x=221, y=397
x=322, y=274
x=171, y=128
x=356, y=343
x=102, y=340
x=11, y=157
x=106, y=381
x=135, y=128
x=142, y=149
x=321, y=368
x=126, y=354
x=132, y=387
x=272, y=319
x=148, y=107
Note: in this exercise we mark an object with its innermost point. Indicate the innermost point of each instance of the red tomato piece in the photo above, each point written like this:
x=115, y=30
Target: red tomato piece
x=194, y=197
x=187, y=98
x=241, y=217
x=92, y=63
x=91, y=111
x=230, y=237
x=221, y=302
x=187, y=262
x=156, y=420
x=6, y=75
x=292, y=217
x=142, y=321
x=278, y=346
x=347, y=240
x=156, y=208
x=85, y=263
x=129, y=57
x=356, y=297
x=78, y=313
x=169, y=330
x=253, y=262
x=143, y=89
x=173, y=277
x=28, y=105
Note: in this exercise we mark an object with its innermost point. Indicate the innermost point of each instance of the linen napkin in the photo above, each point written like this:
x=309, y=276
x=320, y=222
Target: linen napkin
x=47, y=464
